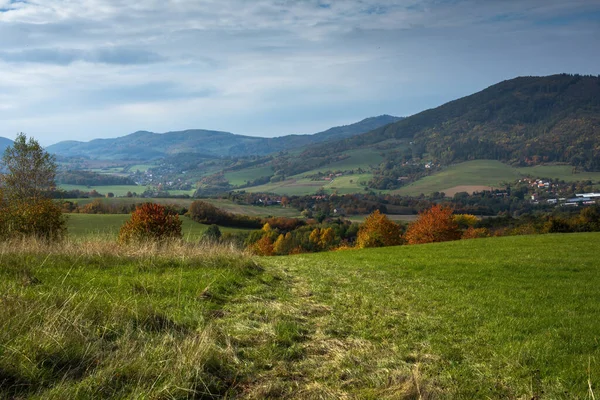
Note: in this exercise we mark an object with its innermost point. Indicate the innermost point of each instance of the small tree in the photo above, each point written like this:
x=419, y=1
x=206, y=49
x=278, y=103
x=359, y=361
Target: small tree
x=29, y=173
x=378, y=231
x=151, y=221
x=433, y=225
x=212, y=234
x=30, y=170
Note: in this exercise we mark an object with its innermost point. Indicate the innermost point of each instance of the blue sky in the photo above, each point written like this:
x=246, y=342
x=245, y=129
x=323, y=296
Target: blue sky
x=82, y=69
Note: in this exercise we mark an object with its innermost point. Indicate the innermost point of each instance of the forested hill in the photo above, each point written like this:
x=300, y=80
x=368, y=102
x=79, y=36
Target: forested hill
x=144, y=145
x=526, y=120
x=4, y=143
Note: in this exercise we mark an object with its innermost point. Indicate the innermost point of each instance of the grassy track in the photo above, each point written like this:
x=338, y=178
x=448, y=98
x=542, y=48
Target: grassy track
x=107, y=226
x=512, y=317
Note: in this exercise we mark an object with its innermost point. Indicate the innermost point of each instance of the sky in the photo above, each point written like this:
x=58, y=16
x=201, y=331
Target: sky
x=85, y=69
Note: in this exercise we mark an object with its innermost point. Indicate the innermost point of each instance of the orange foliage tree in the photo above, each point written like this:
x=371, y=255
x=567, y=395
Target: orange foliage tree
x=433, y=225
x=151, y=221
x=378, y=231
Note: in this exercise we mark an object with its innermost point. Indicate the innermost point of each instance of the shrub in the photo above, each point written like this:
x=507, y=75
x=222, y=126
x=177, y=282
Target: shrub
x=25, y=209
x=212, y=234
x=151, y=221
x=378, y=231
x=475, y=233
x=41, y=218
x=433, y=225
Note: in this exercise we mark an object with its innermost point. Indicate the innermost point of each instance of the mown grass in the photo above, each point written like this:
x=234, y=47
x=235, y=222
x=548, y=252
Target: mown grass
x=106, y=226
x=512, y=317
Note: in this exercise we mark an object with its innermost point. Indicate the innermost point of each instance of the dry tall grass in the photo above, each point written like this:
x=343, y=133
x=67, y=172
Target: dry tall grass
x=149, y=249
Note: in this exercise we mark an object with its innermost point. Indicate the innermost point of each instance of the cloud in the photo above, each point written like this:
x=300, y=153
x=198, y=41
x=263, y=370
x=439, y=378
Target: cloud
x=120, y=56
x=268, y=66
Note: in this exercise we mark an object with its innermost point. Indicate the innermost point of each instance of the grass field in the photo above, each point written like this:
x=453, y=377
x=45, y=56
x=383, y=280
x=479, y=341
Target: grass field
x=120, y=190
x=227, y=205
x=512, y=317
x=106, y=226
x=297, y=185
x=241, y=177
x=489, y=173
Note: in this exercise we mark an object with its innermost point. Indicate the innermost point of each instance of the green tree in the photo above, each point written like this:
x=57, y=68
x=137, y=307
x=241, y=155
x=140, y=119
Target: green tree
x=28, y=176
x=212, y=234
x=30, y=170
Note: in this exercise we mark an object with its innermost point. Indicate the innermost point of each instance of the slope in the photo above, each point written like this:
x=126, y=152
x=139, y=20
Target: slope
x=526, y=120
x=510, y=317
x=4, y=143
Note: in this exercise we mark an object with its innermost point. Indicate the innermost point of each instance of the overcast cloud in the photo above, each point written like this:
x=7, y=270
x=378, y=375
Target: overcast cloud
x=81, y=69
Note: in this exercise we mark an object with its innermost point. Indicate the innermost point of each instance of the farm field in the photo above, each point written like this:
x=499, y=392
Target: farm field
x=106, y=226
x=118, y=190
x=227, y=205
x=488, y=173
x=241, y=177
x=511, y=317
x=298, y=185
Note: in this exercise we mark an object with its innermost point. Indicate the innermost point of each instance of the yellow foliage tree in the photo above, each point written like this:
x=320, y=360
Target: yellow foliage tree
x=283, y=244
x=378, y=231
x=465, y=221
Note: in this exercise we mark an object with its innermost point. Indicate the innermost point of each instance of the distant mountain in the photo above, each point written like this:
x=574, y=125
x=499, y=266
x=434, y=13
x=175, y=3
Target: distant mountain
x=143, y=145
x=4, y=143
x=526, y=120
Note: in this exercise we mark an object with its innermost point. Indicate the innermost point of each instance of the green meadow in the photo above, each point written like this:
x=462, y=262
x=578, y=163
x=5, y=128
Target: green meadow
x=243, y=176
x=106, y=226
x=489, y=173
x=224, y=204
x=510, y=317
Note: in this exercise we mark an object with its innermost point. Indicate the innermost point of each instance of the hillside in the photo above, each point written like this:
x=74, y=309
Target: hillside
x=4, y=143
x=551, y=122
x=143, y=145
x=511, y=317
x=526, y=121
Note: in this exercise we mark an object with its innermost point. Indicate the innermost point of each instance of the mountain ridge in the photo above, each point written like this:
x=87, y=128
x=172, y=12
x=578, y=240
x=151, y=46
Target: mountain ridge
x=145, y=145
x=524, y=121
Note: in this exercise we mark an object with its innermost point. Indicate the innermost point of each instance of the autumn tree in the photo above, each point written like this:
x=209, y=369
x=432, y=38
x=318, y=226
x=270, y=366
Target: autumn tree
x=434, y=225
x=28, y=176
x=284, y=244
x=378, y=231
x=151, y=221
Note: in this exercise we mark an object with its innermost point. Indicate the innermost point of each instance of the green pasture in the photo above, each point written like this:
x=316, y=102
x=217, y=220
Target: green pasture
x=512, y=317
x=300, y=186
x=364, y=158
x=141, y=167
x=227, y=205
x=489, y=173
x=120, y=190
x=241, y=177
x=106, y=226
x=496, y=318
